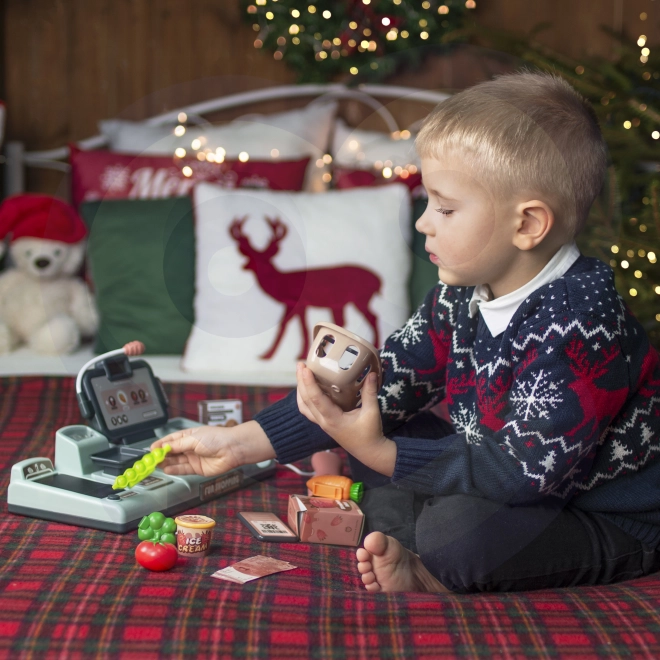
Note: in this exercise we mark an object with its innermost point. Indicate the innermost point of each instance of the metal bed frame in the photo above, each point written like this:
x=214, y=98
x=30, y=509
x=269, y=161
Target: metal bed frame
x=17, y=158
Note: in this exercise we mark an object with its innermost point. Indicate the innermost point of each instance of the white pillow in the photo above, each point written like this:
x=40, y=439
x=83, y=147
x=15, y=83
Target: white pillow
x=359, y=149
x=295, y=134
x=237, y=321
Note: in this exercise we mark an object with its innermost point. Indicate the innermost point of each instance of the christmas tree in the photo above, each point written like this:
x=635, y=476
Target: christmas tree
x=323, y=38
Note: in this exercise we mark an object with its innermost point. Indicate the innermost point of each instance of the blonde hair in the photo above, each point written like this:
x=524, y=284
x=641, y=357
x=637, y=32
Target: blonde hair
x=524, y=132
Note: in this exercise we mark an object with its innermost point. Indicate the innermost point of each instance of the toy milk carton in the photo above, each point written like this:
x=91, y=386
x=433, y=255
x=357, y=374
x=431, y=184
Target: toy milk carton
x=324, y=520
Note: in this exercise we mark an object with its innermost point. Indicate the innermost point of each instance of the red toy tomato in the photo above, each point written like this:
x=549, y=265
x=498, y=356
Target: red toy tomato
x=156, y=556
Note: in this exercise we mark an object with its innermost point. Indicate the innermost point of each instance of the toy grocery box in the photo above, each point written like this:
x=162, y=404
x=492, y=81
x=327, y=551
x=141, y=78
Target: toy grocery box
x=324, y=520
x=221, y=412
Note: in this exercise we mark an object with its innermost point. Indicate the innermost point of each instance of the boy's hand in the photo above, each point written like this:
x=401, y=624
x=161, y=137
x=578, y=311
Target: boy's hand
x=211, y=450
x=359, y=432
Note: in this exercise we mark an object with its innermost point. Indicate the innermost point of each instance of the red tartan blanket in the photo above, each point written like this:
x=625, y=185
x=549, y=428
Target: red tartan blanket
x=68, y=592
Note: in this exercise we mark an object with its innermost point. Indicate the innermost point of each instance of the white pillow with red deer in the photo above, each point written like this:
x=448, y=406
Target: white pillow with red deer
x=270, y=265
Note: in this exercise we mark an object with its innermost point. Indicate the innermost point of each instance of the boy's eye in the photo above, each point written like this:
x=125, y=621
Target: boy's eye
x=444, y=211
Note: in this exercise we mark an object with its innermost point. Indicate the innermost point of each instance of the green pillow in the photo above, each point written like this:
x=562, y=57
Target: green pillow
x=141, y=254
x=424, y=275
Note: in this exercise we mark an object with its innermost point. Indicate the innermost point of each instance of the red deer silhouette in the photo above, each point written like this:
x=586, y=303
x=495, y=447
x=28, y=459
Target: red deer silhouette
x=332, y=288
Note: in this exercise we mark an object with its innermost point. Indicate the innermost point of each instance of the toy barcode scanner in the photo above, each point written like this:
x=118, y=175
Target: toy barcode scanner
x=115, y=410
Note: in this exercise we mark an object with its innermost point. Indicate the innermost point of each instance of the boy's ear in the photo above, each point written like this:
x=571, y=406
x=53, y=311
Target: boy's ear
x=534, y=220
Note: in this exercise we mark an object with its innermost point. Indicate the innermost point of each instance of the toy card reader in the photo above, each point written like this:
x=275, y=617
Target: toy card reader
x=127, y=410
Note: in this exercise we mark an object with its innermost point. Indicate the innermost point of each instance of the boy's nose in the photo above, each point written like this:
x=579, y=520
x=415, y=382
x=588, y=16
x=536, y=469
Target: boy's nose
x=422, y=226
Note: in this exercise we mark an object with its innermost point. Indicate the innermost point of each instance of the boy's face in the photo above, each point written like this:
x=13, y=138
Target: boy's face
x=468, y=233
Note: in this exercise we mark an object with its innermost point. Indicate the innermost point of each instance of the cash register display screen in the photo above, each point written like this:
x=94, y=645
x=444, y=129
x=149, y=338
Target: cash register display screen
x=128, y=402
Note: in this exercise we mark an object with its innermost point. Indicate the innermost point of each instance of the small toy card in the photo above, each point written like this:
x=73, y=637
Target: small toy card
x=252, y=568
x=266, y=526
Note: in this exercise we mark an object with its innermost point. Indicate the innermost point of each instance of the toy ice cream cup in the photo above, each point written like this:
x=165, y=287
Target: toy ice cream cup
x=193, y=535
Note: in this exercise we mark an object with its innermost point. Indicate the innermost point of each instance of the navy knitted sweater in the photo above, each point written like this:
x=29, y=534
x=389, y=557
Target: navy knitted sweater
x=563, y=405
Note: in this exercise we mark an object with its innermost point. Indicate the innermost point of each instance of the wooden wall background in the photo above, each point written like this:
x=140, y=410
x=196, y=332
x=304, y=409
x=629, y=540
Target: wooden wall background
x=66, y=64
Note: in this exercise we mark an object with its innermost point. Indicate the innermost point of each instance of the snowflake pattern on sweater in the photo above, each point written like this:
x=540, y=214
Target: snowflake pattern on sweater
x=564, y=401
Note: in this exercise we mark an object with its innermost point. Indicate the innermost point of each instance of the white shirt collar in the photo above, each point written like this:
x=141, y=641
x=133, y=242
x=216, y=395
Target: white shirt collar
x=498, y=313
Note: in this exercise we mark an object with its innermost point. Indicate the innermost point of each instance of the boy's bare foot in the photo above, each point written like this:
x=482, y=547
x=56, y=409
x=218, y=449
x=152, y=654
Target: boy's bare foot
x=386, y=565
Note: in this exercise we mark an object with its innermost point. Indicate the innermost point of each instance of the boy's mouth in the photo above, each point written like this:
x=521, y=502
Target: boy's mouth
x=434, y=259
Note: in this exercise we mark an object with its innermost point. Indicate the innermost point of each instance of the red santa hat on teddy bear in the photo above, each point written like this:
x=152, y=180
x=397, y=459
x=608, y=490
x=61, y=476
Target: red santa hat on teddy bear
x=39, y=216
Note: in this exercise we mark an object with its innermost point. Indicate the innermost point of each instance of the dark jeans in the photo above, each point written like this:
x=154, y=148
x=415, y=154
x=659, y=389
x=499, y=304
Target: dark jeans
x=472, y=544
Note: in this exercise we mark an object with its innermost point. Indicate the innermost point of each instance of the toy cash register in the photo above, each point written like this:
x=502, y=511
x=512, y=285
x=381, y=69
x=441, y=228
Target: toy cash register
x=127, y=409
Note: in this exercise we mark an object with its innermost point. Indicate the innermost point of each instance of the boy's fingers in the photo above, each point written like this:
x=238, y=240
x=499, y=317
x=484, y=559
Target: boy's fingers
x=306, y=383
x=369, y=392
x=183, y=444
x=302, y=389
x=314, y=394
x=174, y=459
x=308, y=402
x=179, y=468
x=300, y=381
x=169, y=439
x=321, y=405
x=302, y=407
x=372, y=383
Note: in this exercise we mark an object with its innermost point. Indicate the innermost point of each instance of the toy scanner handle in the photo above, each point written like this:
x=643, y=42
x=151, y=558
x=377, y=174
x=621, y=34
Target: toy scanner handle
x=130, y=349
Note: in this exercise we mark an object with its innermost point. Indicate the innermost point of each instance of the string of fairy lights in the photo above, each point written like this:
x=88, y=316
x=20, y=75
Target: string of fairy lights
x=203, y=153
x=628, y=257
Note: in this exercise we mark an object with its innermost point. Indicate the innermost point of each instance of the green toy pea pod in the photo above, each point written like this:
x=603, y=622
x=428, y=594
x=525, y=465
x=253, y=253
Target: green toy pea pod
x=120, y=482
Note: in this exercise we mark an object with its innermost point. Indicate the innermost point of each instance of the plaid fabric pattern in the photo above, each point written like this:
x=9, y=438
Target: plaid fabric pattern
x=68, y=592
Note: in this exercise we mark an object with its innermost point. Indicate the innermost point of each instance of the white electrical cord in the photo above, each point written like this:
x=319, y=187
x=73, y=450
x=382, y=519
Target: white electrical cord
x=87, y=365
x=298, y=470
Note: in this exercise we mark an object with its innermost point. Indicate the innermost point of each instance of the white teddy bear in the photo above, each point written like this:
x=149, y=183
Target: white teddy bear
x=42, y=303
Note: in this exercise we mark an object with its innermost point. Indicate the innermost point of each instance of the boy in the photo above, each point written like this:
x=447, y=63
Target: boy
x=549, y=475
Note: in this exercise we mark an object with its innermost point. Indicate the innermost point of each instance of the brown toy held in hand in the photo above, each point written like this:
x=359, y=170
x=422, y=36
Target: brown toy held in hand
x=336, y=487
x=340, y=360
